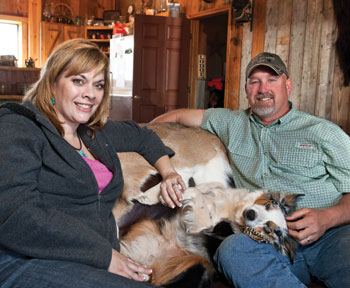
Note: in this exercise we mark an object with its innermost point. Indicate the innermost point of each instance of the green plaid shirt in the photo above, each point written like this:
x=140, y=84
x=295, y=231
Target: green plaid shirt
x=298, y=153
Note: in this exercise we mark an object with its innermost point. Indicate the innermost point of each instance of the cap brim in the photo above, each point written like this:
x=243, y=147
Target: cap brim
x=261, y=64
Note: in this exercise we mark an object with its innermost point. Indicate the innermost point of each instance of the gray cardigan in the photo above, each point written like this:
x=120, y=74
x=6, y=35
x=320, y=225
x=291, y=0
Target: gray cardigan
x=49, y=202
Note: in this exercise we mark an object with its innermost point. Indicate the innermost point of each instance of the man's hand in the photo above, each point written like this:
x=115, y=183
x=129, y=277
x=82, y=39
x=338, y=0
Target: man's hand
x=307, y=225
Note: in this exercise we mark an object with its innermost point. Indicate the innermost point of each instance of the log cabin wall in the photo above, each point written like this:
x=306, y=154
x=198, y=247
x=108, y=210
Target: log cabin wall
x=303, y=33
x=14, y=8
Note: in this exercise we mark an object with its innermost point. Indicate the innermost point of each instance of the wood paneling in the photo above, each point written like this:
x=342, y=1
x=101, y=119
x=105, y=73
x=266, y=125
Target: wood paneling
x=259, y=22
x=34, y=17
x=195, y=9
x=14, y=7
x=233, y=66
x=297, y=43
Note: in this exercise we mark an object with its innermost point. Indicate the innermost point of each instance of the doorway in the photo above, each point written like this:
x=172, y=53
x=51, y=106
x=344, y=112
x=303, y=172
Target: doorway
x=212, y=46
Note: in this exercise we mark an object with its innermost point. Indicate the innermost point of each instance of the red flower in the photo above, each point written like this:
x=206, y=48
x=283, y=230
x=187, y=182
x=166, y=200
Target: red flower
x=216, y=83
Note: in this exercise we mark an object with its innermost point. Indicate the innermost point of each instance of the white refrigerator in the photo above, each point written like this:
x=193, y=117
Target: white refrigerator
x=121, y=74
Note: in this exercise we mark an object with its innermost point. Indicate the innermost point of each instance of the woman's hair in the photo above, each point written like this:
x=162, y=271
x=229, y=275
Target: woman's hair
x=74, y=56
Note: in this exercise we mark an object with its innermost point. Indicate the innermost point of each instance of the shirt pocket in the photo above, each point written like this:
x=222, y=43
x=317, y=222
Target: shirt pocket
x=294, y=156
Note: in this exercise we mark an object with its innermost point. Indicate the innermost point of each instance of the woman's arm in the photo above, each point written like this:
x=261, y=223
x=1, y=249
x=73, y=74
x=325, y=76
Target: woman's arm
x=36, y=223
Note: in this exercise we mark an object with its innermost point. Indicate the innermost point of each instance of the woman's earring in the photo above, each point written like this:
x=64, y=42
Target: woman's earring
x=53, y=101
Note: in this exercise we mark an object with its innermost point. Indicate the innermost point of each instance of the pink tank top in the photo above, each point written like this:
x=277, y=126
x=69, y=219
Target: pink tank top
x=102, y=174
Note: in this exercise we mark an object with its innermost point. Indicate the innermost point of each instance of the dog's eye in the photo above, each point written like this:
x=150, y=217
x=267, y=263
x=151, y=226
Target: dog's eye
x=267, y=206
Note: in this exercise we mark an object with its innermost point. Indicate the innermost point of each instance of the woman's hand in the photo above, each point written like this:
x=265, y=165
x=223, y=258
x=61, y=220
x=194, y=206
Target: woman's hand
x=172, y=183
x=126, y=267
x=171, y=187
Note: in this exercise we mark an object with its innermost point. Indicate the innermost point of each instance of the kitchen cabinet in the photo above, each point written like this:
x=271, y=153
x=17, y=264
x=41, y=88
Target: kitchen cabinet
x=53, y=34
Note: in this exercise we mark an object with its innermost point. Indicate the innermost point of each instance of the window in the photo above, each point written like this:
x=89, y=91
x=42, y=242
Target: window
x=11, y=29
x=10, y=32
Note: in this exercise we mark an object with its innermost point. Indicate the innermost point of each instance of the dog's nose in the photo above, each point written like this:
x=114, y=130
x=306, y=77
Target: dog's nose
x=249, y=214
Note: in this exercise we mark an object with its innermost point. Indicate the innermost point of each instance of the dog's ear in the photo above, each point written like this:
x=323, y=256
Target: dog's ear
x=288, y=203
x=287, y=246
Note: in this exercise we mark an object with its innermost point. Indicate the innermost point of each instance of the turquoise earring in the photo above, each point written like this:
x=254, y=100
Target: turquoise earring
x=53, y=101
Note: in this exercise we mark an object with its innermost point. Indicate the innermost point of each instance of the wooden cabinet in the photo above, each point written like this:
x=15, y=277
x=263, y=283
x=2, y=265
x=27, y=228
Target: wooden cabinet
x=53, y=34
x=99, y=35
x=15, y=81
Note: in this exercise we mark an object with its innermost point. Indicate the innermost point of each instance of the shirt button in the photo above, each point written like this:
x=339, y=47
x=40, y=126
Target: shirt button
x=265, y=153
x=265, y=174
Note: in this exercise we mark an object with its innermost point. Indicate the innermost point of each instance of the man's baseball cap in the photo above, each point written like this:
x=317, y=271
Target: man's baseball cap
x=267, y=59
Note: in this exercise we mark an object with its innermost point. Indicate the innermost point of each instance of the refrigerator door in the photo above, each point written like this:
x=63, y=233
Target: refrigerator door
x=121, y=65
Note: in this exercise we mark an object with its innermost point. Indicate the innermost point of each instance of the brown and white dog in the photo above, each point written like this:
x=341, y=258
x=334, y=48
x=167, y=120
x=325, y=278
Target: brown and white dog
x=172, y=242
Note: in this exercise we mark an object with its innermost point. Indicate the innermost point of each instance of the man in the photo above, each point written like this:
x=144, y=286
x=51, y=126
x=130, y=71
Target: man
x=273, y=146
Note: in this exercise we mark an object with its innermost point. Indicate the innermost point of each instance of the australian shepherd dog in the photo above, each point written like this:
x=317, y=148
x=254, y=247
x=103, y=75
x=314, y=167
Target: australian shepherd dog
x=174, y=243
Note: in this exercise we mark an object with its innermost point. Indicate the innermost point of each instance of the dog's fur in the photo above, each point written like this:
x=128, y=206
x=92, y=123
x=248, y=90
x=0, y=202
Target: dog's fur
x=176, y=243
x=199, y=155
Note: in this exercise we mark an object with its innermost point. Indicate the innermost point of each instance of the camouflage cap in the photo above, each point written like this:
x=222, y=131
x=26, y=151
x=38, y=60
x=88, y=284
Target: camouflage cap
x=270, y=60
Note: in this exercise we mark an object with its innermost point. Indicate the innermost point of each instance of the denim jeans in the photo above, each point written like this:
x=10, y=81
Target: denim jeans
x=247, y=263
x=16, y=271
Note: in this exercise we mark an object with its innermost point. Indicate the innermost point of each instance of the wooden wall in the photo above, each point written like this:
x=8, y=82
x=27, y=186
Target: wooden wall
x=14, y=7
x=79, y=7
x=303, y=33
x=123, y=4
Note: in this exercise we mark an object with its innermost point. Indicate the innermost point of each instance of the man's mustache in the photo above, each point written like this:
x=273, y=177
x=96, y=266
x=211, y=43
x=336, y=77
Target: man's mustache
x=263, y=95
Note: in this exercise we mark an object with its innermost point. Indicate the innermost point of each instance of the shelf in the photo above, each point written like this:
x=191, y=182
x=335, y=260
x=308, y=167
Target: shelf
x=93, y=34
x=3, y=67
x=98, y=28
x=11, y=97
x=99, y=40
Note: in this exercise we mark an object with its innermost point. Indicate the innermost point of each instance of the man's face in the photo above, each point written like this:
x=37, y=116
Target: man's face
x=267, y=94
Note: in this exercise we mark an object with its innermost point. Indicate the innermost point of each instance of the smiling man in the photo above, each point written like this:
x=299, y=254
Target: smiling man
x=273, y=146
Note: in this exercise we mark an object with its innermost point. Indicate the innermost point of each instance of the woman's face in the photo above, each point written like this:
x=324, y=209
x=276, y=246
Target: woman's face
x=77, y=97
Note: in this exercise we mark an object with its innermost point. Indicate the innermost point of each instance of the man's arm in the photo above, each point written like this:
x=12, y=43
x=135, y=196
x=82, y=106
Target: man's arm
x=187, y=117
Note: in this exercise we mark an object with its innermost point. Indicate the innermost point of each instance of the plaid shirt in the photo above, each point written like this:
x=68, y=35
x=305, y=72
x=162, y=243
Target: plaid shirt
x=298, y=153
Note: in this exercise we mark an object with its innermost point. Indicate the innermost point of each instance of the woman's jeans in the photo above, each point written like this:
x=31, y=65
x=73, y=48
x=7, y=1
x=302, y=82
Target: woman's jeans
x=247, y=263
x=16, y=271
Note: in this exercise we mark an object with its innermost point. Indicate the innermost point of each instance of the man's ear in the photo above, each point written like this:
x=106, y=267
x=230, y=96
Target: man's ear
x=289, y=85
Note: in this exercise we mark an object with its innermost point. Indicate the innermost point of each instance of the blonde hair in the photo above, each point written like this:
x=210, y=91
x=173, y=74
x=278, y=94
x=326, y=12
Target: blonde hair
x=73, y=56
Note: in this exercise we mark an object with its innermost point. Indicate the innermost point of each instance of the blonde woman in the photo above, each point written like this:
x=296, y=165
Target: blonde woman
x=60, y=177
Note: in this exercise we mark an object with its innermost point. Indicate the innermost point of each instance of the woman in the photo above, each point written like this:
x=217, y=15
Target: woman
x=60, y=177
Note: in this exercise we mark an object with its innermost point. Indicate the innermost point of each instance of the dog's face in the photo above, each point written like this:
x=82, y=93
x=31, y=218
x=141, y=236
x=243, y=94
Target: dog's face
x=267, y=218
